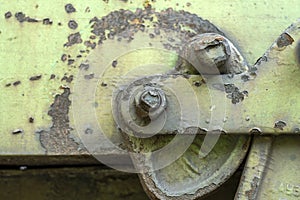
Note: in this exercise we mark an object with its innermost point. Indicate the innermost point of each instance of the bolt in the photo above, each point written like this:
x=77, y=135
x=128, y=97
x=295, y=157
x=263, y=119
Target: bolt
x=151, y=102
x=212, y=54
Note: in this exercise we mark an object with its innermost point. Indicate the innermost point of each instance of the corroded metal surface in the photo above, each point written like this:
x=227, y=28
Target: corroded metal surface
x=25, y=104
x=41, y=53
x=255, y=167
x=192, y=177
x=272, y=169
x=272, y=85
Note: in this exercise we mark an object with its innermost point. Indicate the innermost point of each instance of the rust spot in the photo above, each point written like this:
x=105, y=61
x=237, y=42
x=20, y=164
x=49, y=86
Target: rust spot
x=35, y=78
x=90, y=44
x=47, y=21
x=70, y=8
x=296, y=130
x=52, y=76
x=7, y=15
x=92, y=37
x=68, y=79
x=64, y=57
x=16, y=83
x=151, y=35
x=88, y=131
x=21, y=17
x=251, y=194
x=245, y=78
x=147, y=4
x=114, y=63
x=71, y=61
x=123, y=24
x=58, y=139
x=234, y=93
x=280, y=125
x=72, y=24
x=197, y=83
x=74, y=38
x=31, y=120
x=284, y=40
x=87, y=10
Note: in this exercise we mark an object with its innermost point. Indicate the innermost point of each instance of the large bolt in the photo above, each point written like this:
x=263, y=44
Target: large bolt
x=151, y=102
x=212, y=54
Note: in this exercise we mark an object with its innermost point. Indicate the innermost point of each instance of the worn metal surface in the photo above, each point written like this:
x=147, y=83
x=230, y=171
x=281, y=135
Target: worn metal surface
x=255, y=167
x=191, y=176
x=42, y=51
x=272, y=170
x=46, y=55
x=273, y=87
x=267, y=85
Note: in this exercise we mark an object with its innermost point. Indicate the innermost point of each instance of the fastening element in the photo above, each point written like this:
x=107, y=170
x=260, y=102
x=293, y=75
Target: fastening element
x=212, y=54
x=150, y=102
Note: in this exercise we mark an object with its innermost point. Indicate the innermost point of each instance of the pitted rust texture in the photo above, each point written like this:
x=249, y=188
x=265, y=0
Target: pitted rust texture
x=280, y=125
x=254, y=186
x=123, y=24
x=234, y=93
x=68, y=79
x=21, y=17
x=35, y=78
x=74, y=38
x=58, y=139
x=47, y=21
x=72, y=24
x=255, y=168
x=8, y=15
x=16, y=83
x=69, y=8
x=284, y=40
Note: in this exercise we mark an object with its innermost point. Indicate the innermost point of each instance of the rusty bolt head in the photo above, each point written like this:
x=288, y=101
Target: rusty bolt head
x=150, y=102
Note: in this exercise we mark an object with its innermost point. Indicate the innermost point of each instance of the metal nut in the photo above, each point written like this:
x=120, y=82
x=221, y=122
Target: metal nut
x=151, y=102
x=150, y=99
